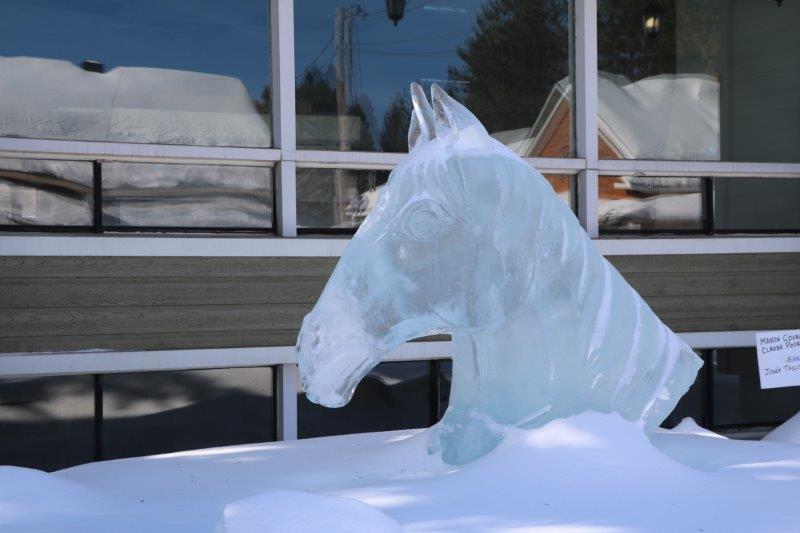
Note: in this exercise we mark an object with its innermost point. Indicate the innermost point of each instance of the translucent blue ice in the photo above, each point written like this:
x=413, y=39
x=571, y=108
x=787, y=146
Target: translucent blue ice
x=470, y=240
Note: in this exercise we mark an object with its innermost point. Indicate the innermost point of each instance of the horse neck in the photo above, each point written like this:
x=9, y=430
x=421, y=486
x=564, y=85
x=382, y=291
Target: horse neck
x=494, y=368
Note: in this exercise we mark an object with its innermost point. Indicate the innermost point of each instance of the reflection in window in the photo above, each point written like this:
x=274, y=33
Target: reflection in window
x=391, y=396
x=47, y=422
x=342, y=198
x=508, y=61
x=738, y=397
x=192, y=73
x=45, y=192
x=159, y=412
x=639, y=203
x=195, y=196
x=336, y=198
x=715, y=80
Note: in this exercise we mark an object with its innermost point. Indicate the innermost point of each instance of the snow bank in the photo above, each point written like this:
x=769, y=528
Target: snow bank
x=688, y=426
x=302, y=512
x=590, y=472
x=788, y=432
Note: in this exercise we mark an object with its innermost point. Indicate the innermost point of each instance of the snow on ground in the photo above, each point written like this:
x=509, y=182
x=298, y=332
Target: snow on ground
x=291, y=511
x=688, y=426
x=788, y=432
x=591, y=472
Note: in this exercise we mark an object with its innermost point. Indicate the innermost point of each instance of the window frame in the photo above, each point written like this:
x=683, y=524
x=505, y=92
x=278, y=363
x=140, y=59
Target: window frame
x=286, y=158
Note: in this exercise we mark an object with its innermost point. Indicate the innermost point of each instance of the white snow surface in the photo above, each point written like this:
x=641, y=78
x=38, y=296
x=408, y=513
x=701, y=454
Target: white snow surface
x=788, y=432
x=688, y=426
x=293, y=511
x=590, y=472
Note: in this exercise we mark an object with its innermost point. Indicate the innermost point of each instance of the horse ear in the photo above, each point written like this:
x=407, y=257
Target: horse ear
x=421, y=129
x=450, y=116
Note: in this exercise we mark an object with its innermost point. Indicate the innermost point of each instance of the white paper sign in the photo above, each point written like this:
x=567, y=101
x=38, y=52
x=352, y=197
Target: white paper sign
x=778, y=358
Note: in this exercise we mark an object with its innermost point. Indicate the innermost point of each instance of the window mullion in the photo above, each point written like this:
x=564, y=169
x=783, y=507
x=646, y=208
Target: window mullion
x=586, y=111
x=283, y=113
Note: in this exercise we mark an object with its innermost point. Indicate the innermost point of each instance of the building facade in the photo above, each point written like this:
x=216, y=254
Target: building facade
x=178, y=179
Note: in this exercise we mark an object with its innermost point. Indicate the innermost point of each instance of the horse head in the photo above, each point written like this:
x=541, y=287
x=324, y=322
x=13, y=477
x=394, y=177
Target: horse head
x=447, y=248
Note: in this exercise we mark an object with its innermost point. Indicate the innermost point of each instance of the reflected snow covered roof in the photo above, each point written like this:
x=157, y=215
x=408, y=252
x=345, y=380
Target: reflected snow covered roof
x=48, y=98
x=661, y=117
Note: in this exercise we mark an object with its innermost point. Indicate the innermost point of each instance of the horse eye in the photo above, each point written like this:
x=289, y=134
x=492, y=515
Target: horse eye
x=425, y=221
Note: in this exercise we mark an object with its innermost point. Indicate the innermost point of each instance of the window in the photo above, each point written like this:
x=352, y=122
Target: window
x=340, y=199
x=756, y=204
x=508, y=61
x=392, y=396
x=192, y=196
x=738, y=397
x=647, y=204
x=727, y=397
x=45, y=192
x=706, y=80
x=56, y=422
x=159, y=412
x=651, y=204
x=47, y=422
x=191, y=73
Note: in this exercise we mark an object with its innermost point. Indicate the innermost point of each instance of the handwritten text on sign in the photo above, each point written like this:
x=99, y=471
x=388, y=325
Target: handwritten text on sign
x=778, y=358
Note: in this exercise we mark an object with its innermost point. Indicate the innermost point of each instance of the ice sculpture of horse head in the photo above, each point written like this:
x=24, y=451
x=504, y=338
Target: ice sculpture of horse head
x=470, y=240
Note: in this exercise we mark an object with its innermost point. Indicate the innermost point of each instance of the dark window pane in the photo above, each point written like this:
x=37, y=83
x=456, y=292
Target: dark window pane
x=45, y=192
x=194, y=196
x=445, y=384
x=699, y=80
x=159, y=412
x=738, y=397
x=637, y=203
x=342, y=198
x=194, y=73
x=48, y=422
x=756, y=204
x=693, y=403
x=392, y=396
x=335, y=198
x=508, y=61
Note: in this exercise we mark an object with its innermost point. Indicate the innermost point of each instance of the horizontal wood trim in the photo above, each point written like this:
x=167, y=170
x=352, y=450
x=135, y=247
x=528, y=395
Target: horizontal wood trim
x=154, y=267
x=712, y=263
x=729, y=283
x=160, y=291
x=133, y=320
x=150, y=341
x=63, y=303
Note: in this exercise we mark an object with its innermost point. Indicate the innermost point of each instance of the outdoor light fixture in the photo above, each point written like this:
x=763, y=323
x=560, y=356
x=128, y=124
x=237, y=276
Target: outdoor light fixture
x=395, y=10
x=652, y=18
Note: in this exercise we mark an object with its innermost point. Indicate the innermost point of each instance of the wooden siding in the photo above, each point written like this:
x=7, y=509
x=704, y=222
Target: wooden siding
x=149, y=303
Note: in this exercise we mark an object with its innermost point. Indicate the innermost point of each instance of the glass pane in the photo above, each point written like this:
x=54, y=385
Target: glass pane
x=636, y=203
x=738, y=396
x=47, y=423
x=699, y=80
x=445, y=383
x=194, y=73
x=45, y=192
x=693, y=403
x=391, y=396
x=159, y=412
x=342, y=198
x=756, y=204
x=508, y=61
x=195, y=196
x=336, y=198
